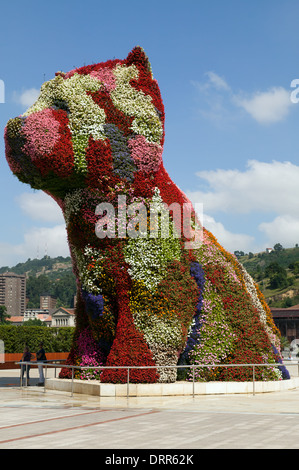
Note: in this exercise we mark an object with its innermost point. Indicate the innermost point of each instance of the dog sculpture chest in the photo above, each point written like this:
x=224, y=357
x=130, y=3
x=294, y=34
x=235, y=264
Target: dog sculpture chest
x=94, y=137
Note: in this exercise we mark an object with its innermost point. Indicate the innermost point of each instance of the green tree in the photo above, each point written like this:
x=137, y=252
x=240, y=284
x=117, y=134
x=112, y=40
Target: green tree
x=278, y=247
x=35, y=287
x=4, y=315
x=294, y=267
x=34, y=322
x=287, y=302
x=62, y=288
x=275, y=268
x=238, y=253
x=278, y=281
x=284, y=342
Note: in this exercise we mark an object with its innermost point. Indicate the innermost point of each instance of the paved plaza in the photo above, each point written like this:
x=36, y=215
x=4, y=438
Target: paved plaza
x=34, y=418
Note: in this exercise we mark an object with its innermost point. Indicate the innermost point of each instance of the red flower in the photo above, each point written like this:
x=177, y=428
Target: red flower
x=60, y=160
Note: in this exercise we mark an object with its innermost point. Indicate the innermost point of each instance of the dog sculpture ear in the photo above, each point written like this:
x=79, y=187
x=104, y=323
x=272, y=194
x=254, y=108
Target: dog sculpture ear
x=138, y=57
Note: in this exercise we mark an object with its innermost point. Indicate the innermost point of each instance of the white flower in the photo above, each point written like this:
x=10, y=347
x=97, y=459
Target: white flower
x=148, y=257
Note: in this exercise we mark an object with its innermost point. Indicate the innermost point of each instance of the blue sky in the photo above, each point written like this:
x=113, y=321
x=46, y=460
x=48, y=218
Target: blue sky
x=225, y=71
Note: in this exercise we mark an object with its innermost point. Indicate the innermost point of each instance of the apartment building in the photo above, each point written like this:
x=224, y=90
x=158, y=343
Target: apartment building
x=47, y=302
x=13, y=293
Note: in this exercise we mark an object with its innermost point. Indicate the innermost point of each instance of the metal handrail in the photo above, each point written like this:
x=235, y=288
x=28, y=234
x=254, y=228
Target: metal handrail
x=128, y=368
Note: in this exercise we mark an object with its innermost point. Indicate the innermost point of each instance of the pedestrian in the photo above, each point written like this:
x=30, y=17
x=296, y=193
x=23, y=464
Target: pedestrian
x=41, y=358
x=25, y=358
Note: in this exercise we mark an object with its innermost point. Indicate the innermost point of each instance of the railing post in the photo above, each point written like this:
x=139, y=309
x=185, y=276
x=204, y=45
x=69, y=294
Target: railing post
x=72, y=390
x=45, y=378
x=253, y=379
x=193, y=382
x=128, y=381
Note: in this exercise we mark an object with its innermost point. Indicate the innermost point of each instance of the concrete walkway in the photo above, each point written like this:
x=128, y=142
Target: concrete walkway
x=38, y=419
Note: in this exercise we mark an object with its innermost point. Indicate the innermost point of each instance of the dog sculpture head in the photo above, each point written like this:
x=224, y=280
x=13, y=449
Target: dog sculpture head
x=113, y=107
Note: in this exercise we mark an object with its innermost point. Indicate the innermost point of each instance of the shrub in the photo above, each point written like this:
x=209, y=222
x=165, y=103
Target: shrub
x=54, y=339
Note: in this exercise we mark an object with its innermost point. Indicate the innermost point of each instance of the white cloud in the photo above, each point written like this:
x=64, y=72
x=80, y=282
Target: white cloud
x=26, y=98
x=229, y=240
x=37, y=241
x=262, y=187
x=40, y=206
x=267, y=107
x=283, y=229
x=215, y=101
x=218, y=82
x=221, y=102
x=53, y=239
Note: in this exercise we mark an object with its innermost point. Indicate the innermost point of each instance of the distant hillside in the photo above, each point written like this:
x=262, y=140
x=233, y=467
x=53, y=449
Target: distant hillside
x=53, y=276
x=277, y=274
x=40, y=266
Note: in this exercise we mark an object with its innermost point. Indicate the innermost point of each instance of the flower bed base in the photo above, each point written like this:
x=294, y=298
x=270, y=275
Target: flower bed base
x=166, y=389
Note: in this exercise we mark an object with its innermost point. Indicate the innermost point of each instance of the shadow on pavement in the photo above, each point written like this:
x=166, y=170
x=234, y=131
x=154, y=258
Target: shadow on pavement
x=6, y=381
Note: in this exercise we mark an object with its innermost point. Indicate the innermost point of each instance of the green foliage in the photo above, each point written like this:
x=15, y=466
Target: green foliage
x=4, y=315
x=283, y=257
x=36, y=286
x=277, y=276
x=287, y=302
x=294, y=268
x=34, y=266
x=54, y=339
x=44, y=276
x=35, y=322
x=275, y=268
x=284, y=342
x=63, y=289
x=276, y=273
x=278, y=281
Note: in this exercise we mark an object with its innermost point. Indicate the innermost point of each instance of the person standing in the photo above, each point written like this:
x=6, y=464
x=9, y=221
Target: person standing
x=41, y=358
x=26, y=358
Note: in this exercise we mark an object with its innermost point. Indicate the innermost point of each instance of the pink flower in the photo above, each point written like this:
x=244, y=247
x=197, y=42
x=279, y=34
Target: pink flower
x=106, y=76
x=146, y=155
x=69, y=74
x=42, y=132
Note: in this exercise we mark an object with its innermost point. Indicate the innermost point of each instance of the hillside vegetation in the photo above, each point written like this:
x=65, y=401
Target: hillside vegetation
x=277, y=274
x=52, y=276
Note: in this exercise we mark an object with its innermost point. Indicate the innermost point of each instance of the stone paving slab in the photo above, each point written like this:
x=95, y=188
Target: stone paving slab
x=34, y=418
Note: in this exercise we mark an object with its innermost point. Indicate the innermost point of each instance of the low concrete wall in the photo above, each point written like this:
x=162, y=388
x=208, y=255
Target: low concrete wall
x=94, y=387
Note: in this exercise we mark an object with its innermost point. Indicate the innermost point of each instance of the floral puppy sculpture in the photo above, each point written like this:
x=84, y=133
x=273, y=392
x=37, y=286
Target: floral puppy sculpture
x=149, y=294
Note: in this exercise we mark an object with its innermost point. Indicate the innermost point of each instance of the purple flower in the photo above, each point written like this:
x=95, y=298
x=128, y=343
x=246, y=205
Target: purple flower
x=94, y=304
x=197, y=273
x=282, y=368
